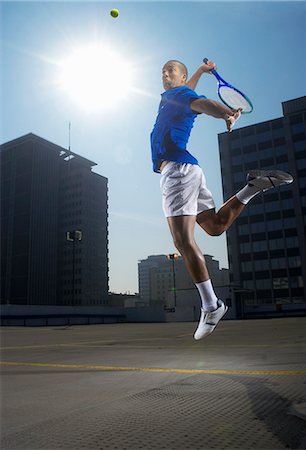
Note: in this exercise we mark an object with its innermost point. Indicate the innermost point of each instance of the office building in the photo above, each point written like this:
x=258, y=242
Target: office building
x=49, y=195
x=266, y=244
x=167, y=281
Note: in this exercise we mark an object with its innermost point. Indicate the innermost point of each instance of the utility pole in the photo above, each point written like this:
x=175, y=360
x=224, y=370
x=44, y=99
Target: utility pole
x=73, y=236
x=172, y=257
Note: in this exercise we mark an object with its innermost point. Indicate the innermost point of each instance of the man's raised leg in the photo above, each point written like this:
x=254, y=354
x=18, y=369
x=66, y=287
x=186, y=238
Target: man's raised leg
x=257, y=181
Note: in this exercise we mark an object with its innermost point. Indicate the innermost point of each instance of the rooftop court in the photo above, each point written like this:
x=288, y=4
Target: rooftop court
x=151, y=386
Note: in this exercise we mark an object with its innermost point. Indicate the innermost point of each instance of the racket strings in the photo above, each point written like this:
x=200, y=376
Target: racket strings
x=235, y=99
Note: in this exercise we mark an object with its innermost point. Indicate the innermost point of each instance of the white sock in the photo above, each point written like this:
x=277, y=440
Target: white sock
x=208, y=296
x=247, y=193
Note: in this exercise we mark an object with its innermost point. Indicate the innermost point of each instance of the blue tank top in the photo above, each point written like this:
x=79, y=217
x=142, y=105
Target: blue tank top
x=172, y=128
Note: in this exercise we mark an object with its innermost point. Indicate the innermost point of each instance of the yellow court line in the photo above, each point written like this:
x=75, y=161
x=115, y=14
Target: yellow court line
x=155, y=369
x=129, y=344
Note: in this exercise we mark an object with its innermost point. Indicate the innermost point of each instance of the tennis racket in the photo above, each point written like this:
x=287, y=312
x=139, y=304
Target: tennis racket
x=230, y=96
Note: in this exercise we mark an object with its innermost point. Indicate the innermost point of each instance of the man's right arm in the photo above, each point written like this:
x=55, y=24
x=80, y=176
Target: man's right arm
x=216, y=109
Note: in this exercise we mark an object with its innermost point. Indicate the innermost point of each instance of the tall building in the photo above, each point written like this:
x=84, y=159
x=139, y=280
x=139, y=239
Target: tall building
x=266, y=244
x=160, y=279
x=46, y=192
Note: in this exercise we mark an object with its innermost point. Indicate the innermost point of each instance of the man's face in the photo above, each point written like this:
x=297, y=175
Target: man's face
x=173, y=76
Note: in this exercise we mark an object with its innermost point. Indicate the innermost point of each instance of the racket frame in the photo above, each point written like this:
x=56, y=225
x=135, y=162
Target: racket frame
x=222, y=82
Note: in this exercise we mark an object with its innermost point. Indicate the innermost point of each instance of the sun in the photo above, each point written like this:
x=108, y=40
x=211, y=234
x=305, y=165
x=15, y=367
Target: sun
x=96, y=77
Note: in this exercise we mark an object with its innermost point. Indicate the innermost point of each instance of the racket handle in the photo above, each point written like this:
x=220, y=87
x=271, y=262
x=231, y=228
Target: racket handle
x=212, y=71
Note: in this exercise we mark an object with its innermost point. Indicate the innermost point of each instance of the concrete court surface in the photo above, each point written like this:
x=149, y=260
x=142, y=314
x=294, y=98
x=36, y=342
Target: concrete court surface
x=151, y=386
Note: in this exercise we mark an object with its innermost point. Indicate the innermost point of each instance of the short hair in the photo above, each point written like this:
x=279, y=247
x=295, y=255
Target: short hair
x=182, y=66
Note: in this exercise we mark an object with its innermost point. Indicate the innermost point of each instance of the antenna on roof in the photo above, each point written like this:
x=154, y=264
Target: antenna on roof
x=69, y=134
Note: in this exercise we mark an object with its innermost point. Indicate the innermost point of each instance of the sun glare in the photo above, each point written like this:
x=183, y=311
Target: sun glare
x=96, y=77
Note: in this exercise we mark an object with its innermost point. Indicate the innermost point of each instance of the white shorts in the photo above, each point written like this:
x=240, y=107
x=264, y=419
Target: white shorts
x=184, y=190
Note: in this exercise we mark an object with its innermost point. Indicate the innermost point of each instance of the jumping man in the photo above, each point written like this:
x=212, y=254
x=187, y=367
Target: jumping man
x=186, y=199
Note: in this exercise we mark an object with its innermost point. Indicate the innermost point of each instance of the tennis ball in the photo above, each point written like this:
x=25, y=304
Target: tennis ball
x=114, y=13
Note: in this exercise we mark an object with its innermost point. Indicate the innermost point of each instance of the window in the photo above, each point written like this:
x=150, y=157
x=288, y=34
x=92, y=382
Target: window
x=273, y=215
x=243, y=229
x=277, y=124
x=288, y=213
x=275, y=244
x=264, y=139
x=301, y=163
x=265, y=145
x=234, y=136
x=264, y=295
x=271, y=197
x=287, y=203
x=294, y=261
x=278, y=263
x=260, y=246
x=278, y=253
x=297, y=128
x=246, y=257
x=258, y=237
x=261, y=274
x=262, y=127
x=239, y=177
x=248, y=131
x=245, y=247
x=235, y=151
x=263, y=284
x=286, y=193
x=281, y=150
x=283, y=166
x=250, y=157
x=247, y=275
x=267, y=153
x=251, y=165
x=257, y=227
x=291, y=232
x=263, y=255
x=299, y=146
x=238, y=168
x=280, y=141
x=257, y=218
x=272, y=207
x=267, y=162
x=261, y=264
x=296, y=282
x=249, y=149
x=274, y=225
x=298, y=137
x=236, y=160
x=255, y=208
x=280, y=283
x=246, y=266
x=290, y=222
x=296, y=119
x=249, y=284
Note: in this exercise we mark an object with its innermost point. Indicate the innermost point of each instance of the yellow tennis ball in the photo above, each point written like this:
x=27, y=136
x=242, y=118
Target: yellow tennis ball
x=114, y=13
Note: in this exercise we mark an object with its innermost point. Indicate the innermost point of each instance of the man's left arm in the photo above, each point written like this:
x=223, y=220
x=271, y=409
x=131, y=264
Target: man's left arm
x=204, y=68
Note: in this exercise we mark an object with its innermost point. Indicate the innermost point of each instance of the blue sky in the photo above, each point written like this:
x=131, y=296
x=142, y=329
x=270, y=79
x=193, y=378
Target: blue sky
x=258, y=46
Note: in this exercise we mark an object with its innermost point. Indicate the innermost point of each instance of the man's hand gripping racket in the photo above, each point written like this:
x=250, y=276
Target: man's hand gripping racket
x=231, y=119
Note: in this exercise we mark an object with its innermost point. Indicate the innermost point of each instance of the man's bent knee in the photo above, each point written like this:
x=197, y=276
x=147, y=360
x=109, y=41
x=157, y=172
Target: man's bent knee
x=213, y=229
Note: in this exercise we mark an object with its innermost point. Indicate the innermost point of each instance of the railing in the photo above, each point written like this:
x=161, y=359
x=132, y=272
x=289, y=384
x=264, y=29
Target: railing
x=58, y=319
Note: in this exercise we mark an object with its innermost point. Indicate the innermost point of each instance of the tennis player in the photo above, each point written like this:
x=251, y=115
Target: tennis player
x=185, y=196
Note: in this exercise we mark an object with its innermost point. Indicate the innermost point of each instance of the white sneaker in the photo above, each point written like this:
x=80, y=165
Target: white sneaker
x=209, y=320
x=267, y=179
